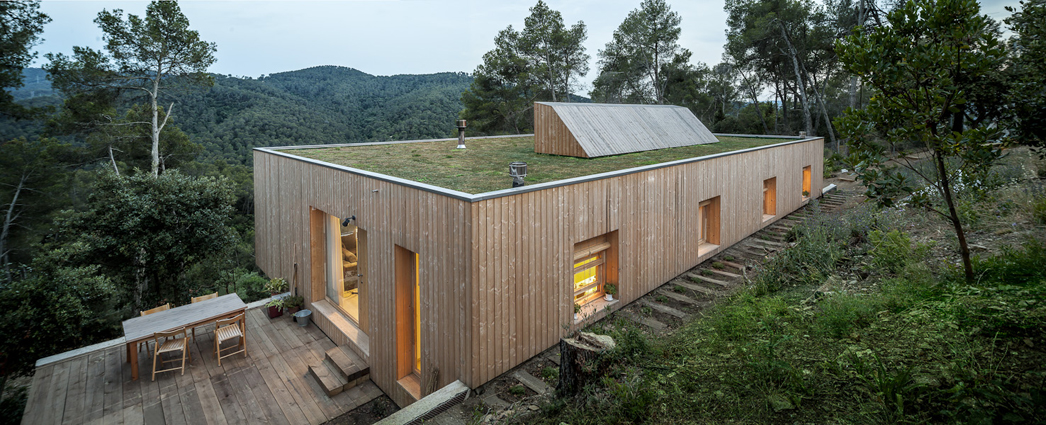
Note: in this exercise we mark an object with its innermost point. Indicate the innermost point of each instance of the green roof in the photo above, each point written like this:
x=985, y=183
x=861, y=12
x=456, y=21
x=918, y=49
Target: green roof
x=483, y=165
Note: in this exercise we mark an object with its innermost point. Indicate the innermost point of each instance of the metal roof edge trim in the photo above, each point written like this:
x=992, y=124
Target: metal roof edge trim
x=532, y=188
x=397, y=142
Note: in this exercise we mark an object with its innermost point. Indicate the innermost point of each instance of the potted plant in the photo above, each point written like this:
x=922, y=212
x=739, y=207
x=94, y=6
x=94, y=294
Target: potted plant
x=275, y=306
x=577, y=311
x=806, y=194
x=276, y=286
x=610, y=289
x=293, y=304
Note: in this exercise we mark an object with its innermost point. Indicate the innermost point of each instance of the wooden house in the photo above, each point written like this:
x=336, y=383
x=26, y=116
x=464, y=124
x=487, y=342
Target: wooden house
x=430, y=285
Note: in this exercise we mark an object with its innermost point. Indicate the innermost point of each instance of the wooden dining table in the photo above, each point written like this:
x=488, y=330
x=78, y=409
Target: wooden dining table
x=188, y=316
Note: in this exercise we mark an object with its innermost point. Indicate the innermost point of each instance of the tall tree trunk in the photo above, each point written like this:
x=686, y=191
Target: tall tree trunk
x=853, y=92
x=824, y=110
x=9, y=220
x=755, y=101
x=964, y=249
x=113, y=160
x=155, y=126
x=798, y=81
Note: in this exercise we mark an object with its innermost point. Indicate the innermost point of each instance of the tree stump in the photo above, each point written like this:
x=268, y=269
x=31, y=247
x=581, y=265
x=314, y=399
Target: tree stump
x=577, y=354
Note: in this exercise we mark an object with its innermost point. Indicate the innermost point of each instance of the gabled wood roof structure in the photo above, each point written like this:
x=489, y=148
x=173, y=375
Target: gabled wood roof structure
x=589, y=130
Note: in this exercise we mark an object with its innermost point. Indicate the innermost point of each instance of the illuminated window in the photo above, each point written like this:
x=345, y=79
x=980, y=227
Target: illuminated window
x=806, y=182
x=590, y=269
x=769, y=198
x=708, y=222
x=346, y=286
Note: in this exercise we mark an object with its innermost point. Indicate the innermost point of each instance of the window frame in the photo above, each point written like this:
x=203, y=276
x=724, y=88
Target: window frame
x=590, y=254
x=807, y=183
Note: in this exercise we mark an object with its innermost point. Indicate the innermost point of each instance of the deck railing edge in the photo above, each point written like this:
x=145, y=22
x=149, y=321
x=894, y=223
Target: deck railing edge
x=44, y=361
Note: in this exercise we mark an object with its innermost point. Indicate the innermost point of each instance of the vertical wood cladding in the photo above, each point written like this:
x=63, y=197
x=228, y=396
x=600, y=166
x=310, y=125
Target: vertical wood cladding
x=496, y=274
x=551, y=135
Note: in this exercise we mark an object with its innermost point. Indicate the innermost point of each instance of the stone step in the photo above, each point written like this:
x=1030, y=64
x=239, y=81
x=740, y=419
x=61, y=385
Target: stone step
x=725, y=274
x=646, y=321
x=332, y=382
x=732, y=264
x=698, y=278
x=662, y=308
x=769, y=243
x=680, y=297
x=698, y=288
x=531, y=382
x=758, y=254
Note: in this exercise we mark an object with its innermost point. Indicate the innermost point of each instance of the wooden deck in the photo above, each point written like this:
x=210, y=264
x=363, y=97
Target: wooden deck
x=271, y=385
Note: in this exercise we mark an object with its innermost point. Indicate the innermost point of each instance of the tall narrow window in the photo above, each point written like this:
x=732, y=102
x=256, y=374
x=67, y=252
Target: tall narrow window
x=408, y=320
x=806, y=182
x=769, y=198
x=346, y=284
x=708, y=224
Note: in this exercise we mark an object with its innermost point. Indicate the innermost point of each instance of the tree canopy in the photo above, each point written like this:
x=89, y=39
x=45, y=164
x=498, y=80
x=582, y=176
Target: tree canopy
x=535, y=64
x=21, y=23
x=146, y=57
x=635, y=66
x=926, y=68
x=145, y=232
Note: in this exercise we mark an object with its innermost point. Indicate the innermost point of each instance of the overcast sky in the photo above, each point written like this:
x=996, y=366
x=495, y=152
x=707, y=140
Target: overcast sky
x=384, y=37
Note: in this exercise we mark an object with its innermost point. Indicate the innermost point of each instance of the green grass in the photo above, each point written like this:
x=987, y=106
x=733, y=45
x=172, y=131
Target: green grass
x=483, y=166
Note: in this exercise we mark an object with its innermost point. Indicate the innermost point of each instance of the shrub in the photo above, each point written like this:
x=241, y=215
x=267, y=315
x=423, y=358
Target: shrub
x=1038, y=211
x=892, y=251
x=840, y=314
x=517, y=390
x=744, y=314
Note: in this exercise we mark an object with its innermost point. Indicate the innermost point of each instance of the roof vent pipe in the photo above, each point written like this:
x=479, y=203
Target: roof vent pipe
x=461, y=134
x=518, y=170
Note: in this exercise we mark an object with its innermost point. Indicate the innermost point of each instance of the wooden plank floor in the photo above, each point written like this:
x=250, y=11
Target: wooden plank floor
x=271, y=385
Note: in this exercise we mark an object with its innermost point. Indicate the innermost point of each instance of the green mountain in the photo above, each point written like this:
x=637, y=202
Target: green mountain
x=320, y=105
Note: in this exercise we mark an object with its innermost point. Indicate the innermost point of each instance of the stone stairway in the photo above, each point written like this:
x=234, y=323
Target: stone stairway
x=340, y=370
x=725, y=273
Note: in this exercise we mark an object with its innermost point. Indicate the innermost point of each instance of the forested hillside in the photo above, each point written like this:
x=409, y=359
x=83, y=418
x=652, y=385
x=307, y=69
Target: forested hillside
x=326, y=104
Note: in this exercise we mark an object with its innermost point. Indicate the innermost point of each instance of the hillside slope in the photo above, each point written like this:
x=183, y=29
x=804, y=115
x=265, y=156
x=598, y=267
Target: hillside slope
x=320, y=105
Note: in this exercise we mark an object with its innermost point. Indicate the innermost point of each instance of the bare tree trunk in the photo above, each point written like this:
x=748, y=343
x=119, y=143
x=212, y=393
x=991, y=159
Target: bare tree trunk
x=824, y=110
x=113, y=160
x=798, y=81
x=964, y=249
x=9, y=220
x=755, y=100
x=155, y=126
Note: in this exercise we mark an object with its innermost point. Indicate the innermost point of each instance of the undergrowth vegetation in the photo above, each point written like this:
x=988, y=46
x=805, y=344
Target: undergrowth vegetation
x=866, y=319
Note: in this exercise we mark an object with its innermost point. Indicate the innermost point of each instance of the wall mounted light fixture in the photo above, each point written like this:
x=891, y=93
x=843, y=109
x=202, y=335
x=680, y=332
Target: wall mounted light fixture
x=345, y=222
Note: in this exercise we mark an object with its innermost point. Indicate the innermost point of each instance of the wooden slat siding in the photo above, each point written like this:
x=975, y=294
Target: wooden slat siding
x=551, y=135
x=420, y=220
x=591, y=130
x=655, y=212
x=505, y=259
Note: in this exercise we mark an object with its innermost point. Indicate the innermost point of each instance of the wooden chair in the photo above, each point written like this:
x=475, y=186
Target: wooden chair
x=204, y=297
x=198, y=299
x=175, y=340
x=226, y=329
x=164, y=307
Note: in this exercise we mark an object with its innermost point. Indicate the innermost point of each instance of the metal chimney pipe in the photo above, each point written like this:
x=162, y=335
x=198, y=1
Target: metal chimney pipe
x=461, y=134
x=518, y=170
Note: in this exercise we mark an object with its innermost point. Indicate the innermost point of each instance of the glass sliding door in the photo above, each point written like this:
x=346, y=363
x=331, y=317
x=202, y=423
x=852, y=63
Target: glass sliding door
x=346, y=280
